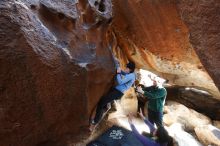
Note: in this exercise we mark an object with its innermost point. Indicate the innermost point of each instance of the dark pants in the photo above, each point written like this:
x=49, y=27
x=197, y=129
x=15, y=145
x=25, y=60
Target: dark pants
x=114, y=94
x=141, y=106
x=155, y=117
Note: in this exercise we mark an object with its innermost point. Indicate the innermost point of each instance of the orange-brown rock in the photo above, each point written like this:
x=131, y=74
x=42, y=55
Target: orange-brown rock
x=54, y=66
x=153, y=34
x=56, y=62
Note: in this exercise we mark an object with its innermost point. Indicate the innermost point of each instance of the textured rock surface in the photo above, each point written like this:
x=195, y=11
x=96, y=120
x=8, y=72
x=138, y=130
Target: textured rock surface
x=178, y=113
x=216, y=124
x=181, y=137
x=153, y=34
x=55, y=60
x=199, y=100
x=203, y=20
x=53, y=68
x=208, y=135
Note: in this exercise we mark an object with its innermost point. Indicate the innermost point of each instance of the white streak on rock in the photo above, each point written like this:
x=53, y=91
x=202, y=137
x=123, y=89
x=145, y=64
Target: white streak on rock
x=83, y=65
x=22, y=4
x=67, y=52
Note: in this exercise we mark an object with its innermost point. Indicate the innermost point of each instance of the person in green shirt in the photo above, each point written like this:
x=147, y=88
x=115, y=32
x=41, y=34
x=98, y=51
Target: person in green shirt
x=156, y=100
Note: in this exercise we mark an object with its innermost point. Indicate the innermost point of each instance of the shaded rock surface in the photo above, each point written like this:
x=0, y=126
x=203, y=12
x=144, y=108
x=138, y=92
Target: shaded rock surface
x=52, y=70
x=196, y=99
x=203, y=21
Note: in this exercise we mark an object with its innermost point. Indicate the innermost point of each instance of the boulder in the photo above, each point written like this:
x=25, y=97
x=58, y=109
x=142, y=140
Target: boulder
x=154, y=36
x=216, y=124
x=195, y=98
x=53, y=71
x=208, y=134
x=181, y=137
x=203, y=21
x=178, y=113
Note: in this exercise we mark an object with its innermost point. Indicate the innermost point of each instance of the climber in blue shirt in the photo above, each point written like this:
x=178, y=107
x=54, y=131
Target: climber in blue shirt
x=124, y=79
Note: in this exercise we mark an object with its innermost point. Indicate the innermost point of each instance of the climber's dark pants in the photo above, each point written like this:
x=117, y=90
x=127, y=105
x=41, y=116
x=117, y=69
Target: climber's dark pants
x=155, y=117
x=141, y=106
x=114, y=94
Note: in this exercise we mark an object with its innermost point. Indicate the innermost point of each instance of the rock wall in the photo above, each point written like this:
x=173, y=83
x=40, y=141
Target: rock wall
x=54, y=66
x=195, y=99
x=153, y=34
x=203, y=21
x=56, y=60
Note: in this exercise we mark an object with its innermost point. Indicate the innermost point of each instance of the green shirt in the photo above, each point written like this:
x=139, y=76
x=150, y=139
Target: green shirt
x=156, y=98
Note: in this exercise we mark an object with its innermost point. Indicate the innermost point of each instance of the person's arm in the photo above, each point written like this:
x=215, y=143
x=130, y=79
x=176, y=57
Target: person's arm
x=154, y=95
x=150, y=125
x=147, y=122
x=123, y=73
x=124, y=79
x=147, y=88
x=144, y=140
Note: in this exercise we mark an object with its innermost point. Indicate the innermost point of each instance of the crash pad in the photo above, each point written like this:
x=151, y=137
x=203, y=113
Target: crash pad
x=116, y=136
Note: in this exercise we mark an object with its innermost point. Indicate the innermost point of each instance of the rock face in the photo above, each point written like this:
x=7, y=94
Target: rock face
x=56, y=62
x=203, y=20
x=208, y=135
x=194, y=98
x=181, y=137
x=54, y=66
x=181, y=119
x=178, y=113
x=216, y=124
x=153, y=34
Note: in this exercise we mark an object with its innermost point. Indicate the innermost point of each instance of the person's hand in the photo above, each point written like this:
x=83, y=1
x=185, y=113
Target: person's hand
x=141, y=114
x=140, y=90
x=119, y=70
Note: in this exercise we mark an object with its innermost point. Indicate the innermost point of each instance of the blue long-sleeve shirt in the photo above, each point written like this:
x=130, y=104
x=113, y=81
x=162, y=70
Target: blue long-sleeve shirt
x=125, y=81
x=146, y=141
